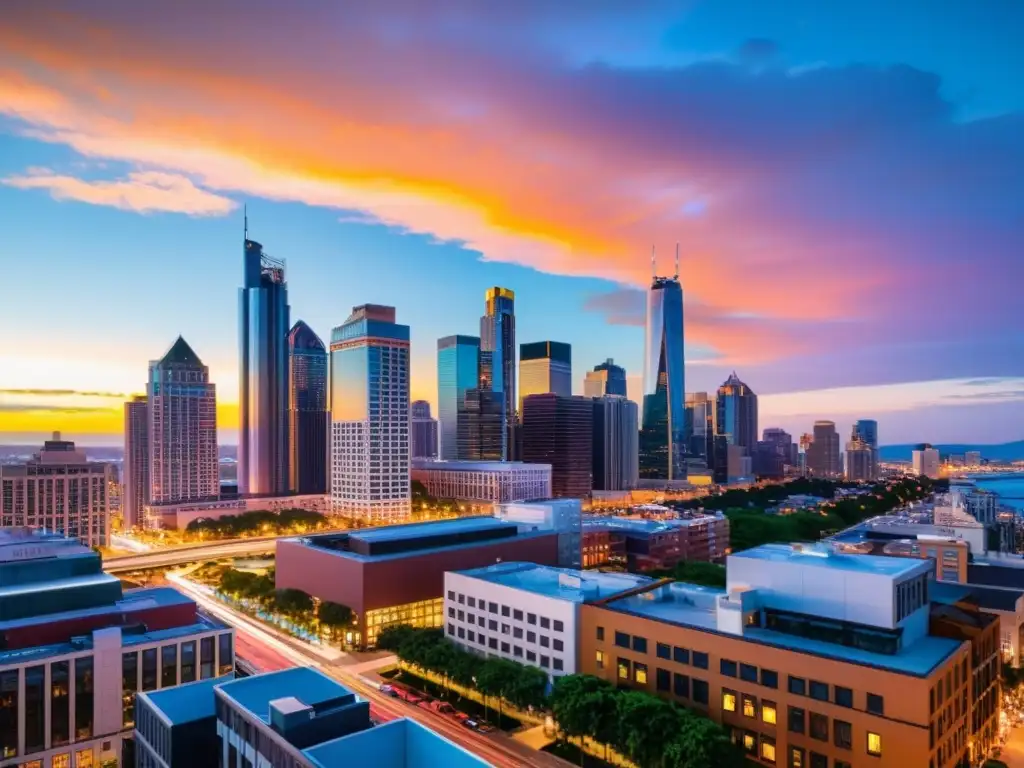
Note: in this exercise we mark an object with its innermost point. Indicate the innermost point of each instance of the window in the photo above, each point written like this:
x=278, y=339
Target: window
x=517, y=633
x=558, y=645
x=842, y=734
x=842, y=764
x=462, y=599
x=797, y=756
x=749, y=706
x=768, y=713
x=531, y=637
x=681, y=686
x=797, y=720
x=640, y=644
x=622, y=639
x=451, y=629
x=844, y=697
x=624, y=669
x=60, y=703
x=517, y=651
x=663, y=651
x=225, y=653
x=768, y=749
x=471, y=602
x=462, y=616
x=819, y=690
x=470, y=635
x=461, y=632
x=504, y=647
x=663, y=679
x=598, y=659
x=700, y=660
x=559, y=626
x=876, y=704
x=750, y=742
x=748, y=672
x=727, y=668
x=531, y=656
x=700, y=691
x=531, y=618
x=505, y=629
x=451, y=594
x=206, y=660
x=517, y=615
x=492, y=607
x=874, y=744
x=797, y=685
x=680, y=655
x=640, y=673
x=492, y=625
x=471, y=618
x=545, y=641
x=769, y=679
x=545, y=623
x=451, y=612
x=506, y=611
x=600, y=633
x=728, y=700
x=819, y=727
x=818, y=761
x=83, y=697
x=492, y=643
x=557, y=664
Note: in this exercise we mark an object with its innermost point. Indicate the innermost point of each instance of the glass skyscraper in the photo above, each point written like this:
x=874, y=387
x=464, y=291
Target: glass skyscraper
x=663, y=428
x=607, y=378
x=736, y=414
x=263, y=375
x=498, y=339
x=544, y=366
x=307, y=411
x=458, y=370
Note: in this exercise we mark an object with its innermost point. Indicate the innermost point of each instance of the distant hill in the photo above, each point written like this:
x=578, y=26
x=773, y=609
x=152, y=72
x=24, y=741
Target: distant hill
x=1004, y=452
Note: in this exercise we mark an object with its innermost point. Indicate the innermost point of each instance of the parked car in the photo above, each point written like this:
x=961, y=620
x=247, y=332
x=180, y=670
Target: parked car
x=389, y=690
x=443, y=708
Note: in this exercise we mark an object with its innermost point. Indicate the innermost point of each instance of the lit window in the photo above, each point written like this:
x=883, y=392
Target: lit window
x=623, y=669
x=640, y=673
x=728, y=701
x=749, y=706
x=768, y=712
x=874, y=744
x=599, y=658
x=749, y=741
x=768, y=749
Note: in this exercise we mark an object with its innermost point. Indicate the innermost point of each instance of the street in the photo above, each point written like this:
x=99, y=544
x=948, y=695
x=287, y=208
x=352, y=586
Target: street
x=1013, y=750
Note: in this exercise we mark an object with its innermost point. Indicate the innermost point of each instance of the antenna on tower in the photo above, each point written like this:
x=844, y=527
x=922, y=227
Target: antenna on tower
x=654, y=264
x=677, y=261
x=245, y=218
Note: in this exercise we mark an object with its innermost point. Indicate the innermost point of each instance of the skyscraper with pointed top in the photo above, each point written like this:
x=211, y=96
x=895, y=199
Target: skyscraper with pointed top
x=263, y=374
x=498, y=357
x=307, y=411
x=663, y=424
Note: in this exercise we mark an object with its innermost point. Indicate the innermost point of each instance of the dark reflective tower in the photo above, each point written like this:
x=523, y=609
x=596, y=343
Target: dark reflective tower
x=263, y=375
x=663, y=430
x=307, y=411
x=498, y=355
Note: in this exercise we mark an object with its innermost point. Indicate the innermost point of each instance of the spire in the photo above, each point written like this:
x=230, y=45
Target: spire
x=654, y=264
x=245, y=220
x=677, y=262
x=180, y=353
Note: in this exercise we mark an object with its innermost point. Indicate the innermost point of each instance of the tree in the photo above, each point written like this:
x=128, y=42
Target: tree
x=529, y=687
x=496, y=679
x=393, y=637
x=646, y=724
x=293, y=602
x=698, y=742
x=334, y=616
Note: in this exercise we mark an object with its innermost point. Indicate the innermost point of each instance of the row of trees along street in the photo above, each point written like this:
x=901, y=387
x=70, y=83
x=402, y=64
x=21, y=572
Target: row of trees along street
x=650, y=731
x=258, y=523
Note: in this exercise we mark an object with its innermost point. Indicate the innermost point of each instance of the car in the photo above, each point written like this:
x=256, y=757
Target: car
x=443, y=708
x=388, y=690
x=471, y=724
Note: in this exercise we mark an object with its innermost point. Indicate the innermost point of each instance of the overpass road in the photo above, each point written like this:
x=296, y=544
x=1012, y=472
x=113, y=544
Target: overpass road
x=166, y=558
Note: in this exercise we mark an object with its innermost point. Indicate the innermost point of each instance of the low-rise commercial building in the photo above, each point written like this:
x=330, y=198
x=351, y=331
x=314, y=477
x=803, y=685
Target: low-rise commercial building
x=178, y=516
x=650, y=545
x=794, y=661
x=297, y=717
x=562, y=516
x=395, y=575
x=526, y=612
x=483, y=483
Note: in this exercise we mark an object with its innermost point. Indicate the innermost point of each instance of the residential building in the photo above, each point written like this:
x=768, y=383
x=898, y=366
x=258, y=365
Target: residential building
x=395, y=574
x=58, y=490
x=498, y=356
x=298, y=717
x=559, y=431
x=183, y=461
x=458, y=370
x=370, y=416
x=482, y=427
x=793, y=662
x=607, y=378
x=616, y=444
x=640, y=545
x=77, y=649
x=700, y=421
x=823, y=458
x=972, y=458
x=307, y=411
x=981, y=504
x=176, y=517
x=424, y=431
x=925, y=461
x=263, y=389
x=663, y=424
x=525, y=612
x=135, y=468
x=483, y=482
x=544, y=366
x=736, y=414
x=860, y=461
x=956, y=526
x=563, y=516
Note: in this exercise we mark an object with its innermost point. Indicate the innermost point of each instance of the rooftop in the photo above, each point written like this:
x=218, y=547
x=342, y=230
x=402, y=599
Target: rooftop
x=560, y=583
x=311, y=687
x=641, y=525
x=398, y=744
x=186, y=703
x=822, y=556
x=434, y=528
x=995, y=575
x=476, y=466
x=995, y=598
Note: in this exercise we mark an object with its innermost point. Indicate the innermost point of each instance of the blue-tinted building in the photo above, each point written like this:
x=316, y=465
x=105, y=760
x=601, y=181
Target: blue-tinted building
x=736, y=414
x=498, y=341
x=458, y=370
x=607, y=378
x=867, y=430
x=307, y=411
x=263, y=374
x=663, y=427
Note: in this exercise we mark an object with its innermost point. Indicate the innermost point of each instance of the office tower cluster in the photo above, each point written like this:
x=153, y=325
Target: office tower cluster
x=862, y=451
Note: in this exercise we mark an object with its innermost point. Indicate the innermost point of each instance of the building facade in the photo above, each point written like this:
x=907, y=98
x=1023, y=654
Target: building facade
x=424, y=431
x=823, y=459
x=498, y=356
x=307, y=411
x=183, y=461
x=736, y=414
x=370, y=416
x=616, y=447
x=867, y=430
x=178, y=516
x=559, y=431
x=263, y=389
x=663, y=424
x=860, y=461
x=607, y=378
x=641, y=545
x=135, y=468
x=483, y=482
x=700, y=427
x=925, y=461
x=544, y=366
x=562, y=516
x=482, y=434
x=458, y=370
x=58, y=490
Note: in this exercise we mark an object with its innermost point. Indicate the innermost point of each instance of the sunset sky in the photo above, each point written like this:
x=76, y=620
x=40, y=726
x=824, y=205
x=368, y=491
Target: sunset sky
x=845, y=180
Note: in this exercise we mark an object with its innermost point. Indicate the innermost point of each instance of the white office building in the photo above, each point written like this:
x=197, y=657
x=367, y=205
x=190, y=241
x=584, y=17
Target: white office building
x=486, y=482
x=926, y=462
x=526, y=612
x=370, y=416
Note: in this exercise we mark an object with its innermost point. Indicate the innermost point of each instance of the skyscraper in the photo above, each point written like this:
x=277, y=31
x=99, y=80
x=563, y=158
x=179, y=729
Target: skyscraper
x=859, y=459
x=424, y=431
x=616, y=446
x=607, y=378
x=559, y=431
x=370, y=416
x=926, y=461
x=458, y=370
x=700, y=426
x=135, y=469
x=263, y=374
x=736, y=419
x=783, y=444
x=663, y=429
x=183, y=462
x=823, y=453
x=307, y=411
x=544, y=366
x=498, y=366
x=482, y=426
x=867, y=430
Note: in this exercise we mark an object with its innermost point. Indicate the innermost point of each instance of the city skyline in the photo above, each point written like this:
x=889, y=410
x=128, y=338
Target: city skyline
x=828, y=184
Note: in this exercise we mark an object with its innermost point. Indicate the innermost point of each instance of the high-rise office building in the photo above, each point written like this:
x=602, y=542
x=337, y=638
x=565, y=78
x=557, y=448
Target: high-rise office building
x=736, y=413
x=925, y=461
x=559, y=431
x=183, y=462
x=135, y=469
x=783, y=443
x=482, y=426
x=498, y=365
x=458, y=370
x=823, y=458
x=58, y=490
x=867, y=430
x=307, y=411
x=424, y=431
x=663, y=426
x=700, y=425
x=616, y=444
x=860, y=464
x=263, y=375
x=607, y=378
x=544, y=366
x=370, y=416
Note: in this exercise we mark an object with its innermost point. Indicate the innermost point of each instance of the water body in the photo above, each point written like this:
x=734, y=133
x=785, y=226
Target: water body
x=1009, y=487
